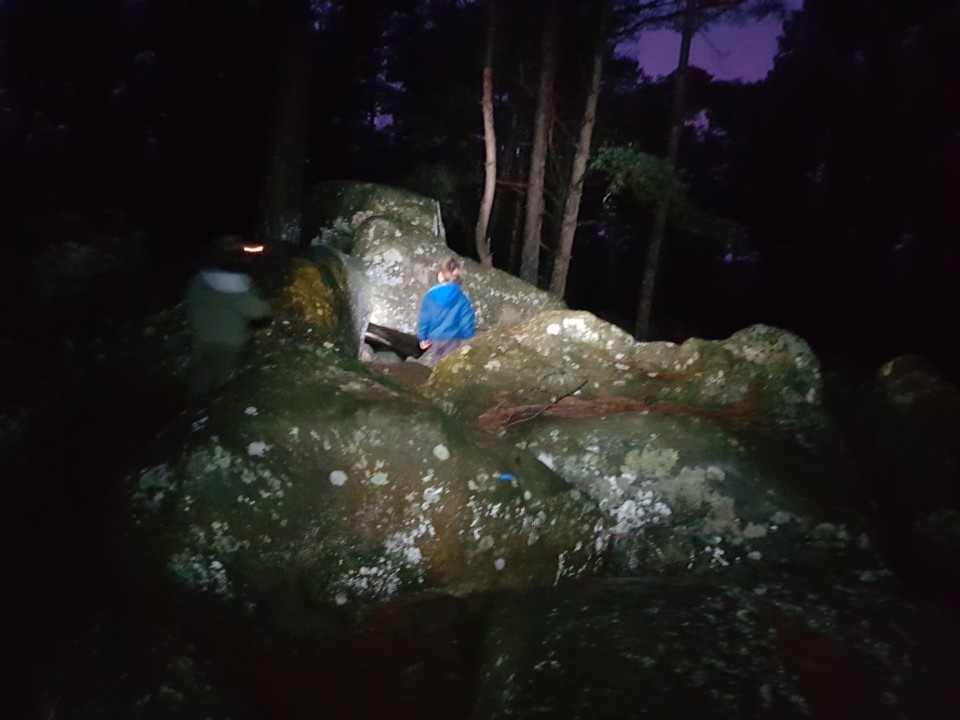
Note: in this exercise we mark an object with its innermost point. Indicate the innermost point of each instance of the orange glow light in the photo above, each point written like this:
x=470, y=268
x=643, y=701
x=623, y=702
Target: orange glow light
x=253, y=248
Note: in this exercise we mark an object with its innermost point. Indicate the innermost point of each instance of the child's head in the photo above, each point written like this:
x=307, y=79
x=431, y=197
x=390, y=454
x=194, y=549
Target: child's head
x=448, y=271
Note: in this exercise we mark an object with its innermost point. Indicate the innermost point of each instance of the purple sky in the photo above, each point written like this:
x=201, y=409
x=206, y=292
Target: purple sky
x=727, y=51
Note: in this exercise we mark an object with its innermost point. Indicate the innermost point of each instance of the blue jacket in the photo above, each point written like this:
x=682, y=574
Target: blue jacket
x=446, y=314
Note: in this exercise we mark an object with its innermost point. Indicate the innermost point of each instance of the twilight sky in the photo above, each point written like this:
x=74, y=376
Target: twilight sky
x=727, y=51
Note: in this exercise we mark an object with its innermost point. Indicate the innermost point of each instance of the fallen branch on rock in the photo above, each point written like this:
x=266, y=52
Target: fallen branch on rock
x=502, y=416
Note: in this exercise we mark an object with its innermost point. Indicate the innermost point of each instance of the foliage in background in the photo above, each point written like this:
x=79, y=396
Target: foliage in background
x=642, y=180
x=841, y=168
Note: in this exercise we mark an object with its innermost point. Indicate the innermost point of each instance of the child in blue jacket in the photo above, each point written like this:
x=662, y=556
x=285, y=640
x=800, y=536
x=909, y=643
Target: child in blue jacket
x=446, y=315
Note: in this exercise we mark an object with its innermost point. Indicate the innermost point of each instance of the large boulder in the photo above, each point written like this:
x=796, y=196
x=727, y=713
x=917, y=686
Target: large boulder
x=699, y=454
x=335, y=212
x=311, y=483
x=917, y=431
x=683, y=494
x=797, y=646
x=758, y=373
x=514, y=464
x=393, y=241
x=323, y=527
x=909, y=442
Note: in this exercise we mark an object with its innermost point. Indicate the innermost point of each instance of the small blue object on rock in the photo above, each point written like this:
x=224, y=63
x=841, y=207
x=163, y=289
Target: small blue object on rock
x=506, y=476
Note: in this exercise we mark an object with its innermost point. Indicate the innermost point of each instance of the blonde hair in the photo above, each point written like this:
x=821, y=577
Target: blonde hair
x=449, y=270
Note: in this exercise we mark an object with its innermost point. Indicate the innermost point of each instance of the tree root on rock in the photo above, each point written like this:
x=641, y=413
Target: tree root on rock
x=499, y=418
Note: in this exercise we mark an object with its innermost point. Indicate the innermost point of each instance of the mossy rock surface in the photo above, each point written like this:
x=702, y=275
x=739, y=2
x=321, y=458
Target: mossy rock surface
x=699, y=454
x=760, y=375
x=683, y=494
x=312, y=482
x=335, y=212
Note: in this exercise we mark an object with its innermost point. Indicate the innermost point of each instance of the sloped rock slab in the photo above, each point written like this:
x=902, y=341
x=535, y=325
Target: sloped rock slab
x=916, y=433
x=125, y=666
x=700, y=454
x=311, y=482
x=784, y=648
x=733, y=646
x=759, y=375
x=909, y=437
x=680, y=494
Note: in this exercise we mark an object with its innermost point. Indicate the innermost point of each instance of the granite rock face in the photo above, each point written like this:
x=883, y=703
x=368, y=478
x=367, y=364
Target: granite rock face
x=701, y=487
x=315, y=483
x=392, y=241
x=758, y=373
x=552, y=445
x=910, y=444
x=699, y=454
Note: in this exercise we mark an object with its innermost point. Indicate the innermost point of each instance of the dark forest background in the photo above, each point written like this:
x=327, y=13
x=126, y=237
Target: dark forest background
x=133, y=131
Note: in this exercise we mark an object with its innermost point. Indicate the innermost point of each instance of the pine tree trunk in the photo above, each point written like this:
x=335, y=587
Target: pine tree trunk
x=645, y=308
x=512, y=168
x=279, y=212
x=571, y=208
x=490, y=144
x=543, y=115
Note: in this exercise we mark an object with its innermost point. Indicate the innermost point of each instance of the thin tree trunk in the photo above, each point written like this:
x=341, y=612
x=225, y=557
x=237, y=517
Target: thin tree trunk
x=543, y=114
x=516, y=232
x=508, y=205
x=645, y=309
x=490, y=144
x=512, y=168
x=571, y=208
x=279, y=212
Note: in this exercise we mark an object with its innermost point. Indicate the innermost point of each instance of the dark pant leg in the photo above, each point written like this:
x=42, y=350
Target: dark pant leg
x=439, y=349
x=214, y=364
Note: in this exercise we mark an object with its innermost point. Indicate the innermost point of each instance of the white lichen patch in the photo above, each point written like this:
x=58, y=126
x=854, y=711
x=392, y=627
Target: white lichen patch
x=651, y=462
x=385, y=268
x=201, y=572
x=717, y=554
x=378, y=581
x=755, y=530
x=431, y=496
x=630, y=508
x=273, y=489
x=338, y=477
x=547, y=460
x=211, y=460
x=257, y=448
x=379, y=478
x=441, y=452
x=404, y=544
x=152, y=487
x=399, y=564
x=577, y=327
x=198, y=564
x=688, y=487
